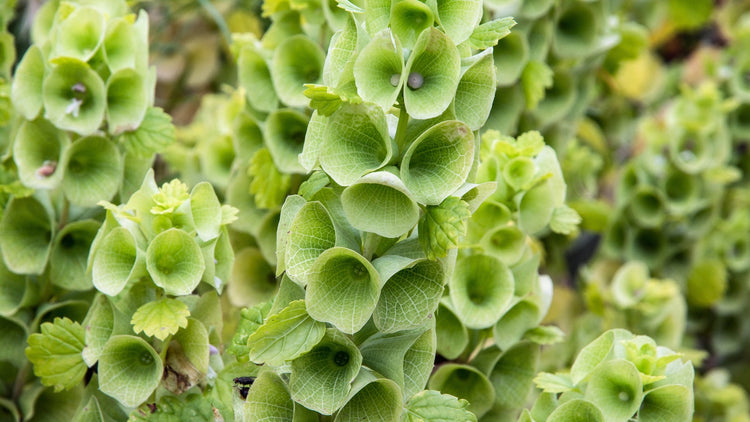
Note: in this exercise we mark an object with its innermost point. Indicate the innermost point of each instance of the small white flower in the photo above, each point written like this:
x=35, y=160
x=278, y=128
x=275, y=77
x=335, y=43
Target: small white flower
x=74, y=107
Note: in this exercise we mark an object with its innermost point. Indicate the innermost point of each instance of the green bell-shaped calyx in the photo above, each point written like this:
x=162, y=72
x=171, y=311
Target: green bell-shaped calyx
x=459, y=18
x=285, y=137
x=26, y=233
x=408, y=19
x=481, y=288
x=26, y=90
x=255, y=77
x=464, y=382
x=268, y=399
x=311, y=233
x=38, y=151
x=434, y=68
x=576, y=410
x=80, y=34
x=175, y=262
x=343, y=289
x=356, y=143
x=125, y=43
x=93, y=171
x=297, y=61
x=129, y=370
x=380, y=203
x=74, y=96
x=127, y=100
x=476, y=90
x=668, y=402
x=379, y=68
x=372, y=399
x=510, y=56
x=615, y=387
x=578, y=29
x=410, y=294
x=438, y=162
x=70, y=251
x=116, y=261
x=321, y=379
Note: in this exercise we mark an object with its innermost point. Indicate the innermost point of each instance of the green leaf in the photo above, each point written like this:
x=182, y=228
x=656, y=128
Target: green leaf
x=268, y=185
x=317, y=181
x=56, y=353
x=160, y=319
x=432, y=406
x=155, y=133
x=553, y=383
x=323, y=99
x=536, y=78
x=488, y=34
x=564, y=220
x=250, y=320
x=285, y=336
x=442, y=227
x=194, y=407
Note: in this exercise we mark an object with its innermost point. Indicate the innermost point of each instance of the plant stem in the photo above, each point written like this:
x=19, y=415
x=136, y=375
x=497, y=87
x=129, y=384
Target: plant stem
x=64, y=213
x=403, y=121
x=218, y=19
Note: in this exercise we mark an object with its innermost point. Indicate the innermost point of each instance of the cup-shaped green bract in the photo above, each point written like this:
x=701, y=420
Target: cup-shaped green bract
x=536, y=207
x=628, y=284
x=127, y=101
x=577, y=29
x=538, y=36
x=248, y=136
x=74, y=97
x=297, y=61
x=26, y=90
x=356, y=143
x=667, y=402
x=558, y=99
x=476, y=91
x=253, y=281
x=434, y=68
x=409, y=295
x=80, y=34
x=464, y=382
x=342, y=51
x=739, y=81
x=523, y=316
x=408, y=19
x=507, y=107
x=268, y=399
x=648, y=245
x=452, y=335
x=285, y=137
x=311, y=233
x=533, y=9
x=380, y=203
x=253, y=75
x=70, y=252
x=576, y=410
x=93, y=171
x=26, y=232
x=616, y=388
x=116, y=261
x=507, y=243
x=120, y=44
x=510, y=55
x=14, y=291
x=38, y=151
x=481, y=288
x=438, y=162
x=683, y=191
x=647, y=207
x=459, y=18
x=175, y=262
x=692, y=151
x=343, y=289
x=216, y=156
x=513, y=373
x=129, y=370
x=378, y=70
x=519, y=172
x=372, y=399
x=321, y=379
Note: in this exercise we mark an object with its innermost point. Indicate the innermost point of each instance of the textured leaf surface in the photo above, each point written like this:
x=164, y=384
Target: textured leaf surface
x=160, y=319
x=286, y=335
x=441, y=227
x=56, y=353
x=155, y=133
x=250, y=319
x=488, y=34
x=431, y=406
